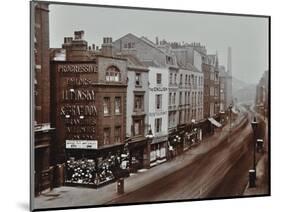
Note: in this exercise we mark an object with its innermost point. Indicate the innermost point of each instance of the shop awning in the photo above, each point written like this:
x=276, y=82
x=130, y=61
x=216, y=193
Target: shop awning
x=234, y=111
x=214, y=122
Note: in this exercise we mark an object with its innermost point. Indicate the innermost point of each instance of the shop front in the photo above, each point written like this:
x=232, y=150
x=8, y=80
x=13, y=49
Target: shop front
x=88, y=166
x=158, y=150
x=137, y=149
x=192, y=136
x=175, y=141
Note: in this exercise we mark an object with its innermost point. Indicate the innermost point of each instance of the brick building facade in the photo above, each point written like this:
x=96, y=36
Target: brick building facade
x=89, y=109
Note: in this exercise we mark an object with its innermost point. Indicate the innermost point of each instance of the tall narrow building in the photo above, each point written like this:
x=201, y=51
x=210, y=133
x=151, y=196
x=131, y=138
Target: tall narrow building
x=41, y=100
x=229, y=99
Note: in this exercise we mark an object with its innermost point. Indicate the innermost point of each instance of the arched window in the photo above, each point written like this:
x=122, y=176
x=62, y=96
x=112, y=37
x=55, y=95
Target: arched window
x=113, y=74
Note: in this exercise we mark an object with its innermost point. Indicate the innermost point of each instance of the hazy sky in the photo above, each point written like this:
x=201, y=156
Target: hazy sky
x=248, y=36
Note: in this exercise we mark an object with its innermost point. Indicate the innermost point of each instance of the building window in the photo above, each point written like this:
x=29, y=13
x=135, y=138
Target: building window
x=189, y=81
x=106, y=105
x=158, y=101
x=175, y=78
x=158, y=125
x=188, y=98
x=181, y=79
x=138, y=103
x=106, y=136
x=113, y=74
x=180, y=115
x=117, y=105
x=185, y=98
x=186, y=79
x=180, y=98
x=212, y=92
x=216, y=92
x=138, y=79
x=137, y=127
x=170, y=98
x=129, y=45
x=174, y=99
x=158, y=78
x=117, y=134
x=171, y=78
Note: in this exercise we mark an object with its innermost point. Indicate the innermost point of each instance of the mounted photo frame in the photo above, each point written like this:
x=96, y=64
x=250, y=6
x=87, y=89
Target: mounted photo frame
x=134, y=105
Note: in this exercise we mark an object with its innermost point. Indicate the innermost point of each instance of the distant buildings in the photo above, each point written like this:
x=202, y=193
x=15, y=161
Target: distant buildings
x=262, y=93
x=229, y=97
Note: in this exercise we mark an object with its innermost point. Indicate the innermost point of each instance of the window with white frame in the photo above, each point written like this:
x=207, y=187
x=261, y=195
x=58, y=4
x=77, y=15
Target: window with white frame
x=112, y=74
x=158, y=125
x=158, y=101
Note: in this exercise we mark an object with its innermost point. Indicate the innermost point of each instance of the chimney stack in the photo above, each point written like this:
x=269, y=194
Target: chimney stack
x=107, y=47
x=157, y=41
x=79, y=35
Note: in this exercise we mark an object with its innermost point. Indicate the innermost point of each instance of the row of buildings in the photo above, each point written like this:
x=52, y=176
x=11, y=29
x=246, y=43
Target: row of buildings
x=262, y=93
x=131, y=99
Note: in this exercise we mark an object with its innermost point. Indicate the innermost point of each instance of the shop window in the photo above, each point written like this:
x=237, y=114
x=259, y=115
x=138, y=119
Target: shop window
x=158, y=125
x=158, y=78
x=138, y=79
x=117, y=105
x=113, y=74
x=106, y=136
x=138, y=103
x=117, y=134
x=158, y=101
x=106, y=105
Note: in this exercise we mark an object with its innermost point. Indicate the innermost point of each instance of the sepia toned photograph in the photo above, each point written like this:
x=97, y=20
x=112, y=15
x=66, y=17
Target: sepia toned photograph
x=143, y=105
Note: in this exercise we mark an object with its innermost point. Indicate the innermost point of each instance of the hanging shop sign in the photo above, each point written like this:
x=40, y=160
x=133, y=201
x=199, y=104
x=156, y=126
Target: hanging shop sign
x=81, y=144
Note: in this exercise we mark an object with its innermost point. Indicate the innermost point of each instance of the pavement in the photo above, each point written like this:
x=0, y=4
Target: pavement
x=77, y=196
x=262, y=180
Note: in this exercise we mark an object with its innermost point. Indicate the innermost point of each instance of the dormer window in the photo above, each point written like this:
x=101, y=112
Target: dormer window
x=113, y=74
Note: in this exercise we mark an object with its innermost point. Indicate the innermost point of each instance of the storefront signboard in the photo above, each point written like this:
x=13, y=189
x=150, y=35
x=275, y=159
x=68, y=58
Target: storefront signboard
x=81, y=144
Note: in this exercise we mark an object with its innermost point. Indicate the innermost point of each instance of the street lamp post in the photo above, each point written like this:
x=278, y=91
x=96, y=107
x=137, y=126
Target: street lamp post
x=252, y=172
x=192, y=126
x=230, y=111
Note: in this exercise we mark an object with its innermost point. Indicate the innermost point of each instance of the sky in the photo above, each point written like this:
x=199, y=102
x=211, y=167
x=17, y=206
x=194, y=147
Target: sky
x=247, y=36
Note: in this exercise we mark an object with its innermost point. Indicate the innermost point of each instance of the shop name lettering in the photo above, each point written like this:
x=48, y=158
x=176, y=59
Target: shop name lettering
x=158, y=89
x=79, y=82
x=78, y=110
x=76, y=94
x=77, y=68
